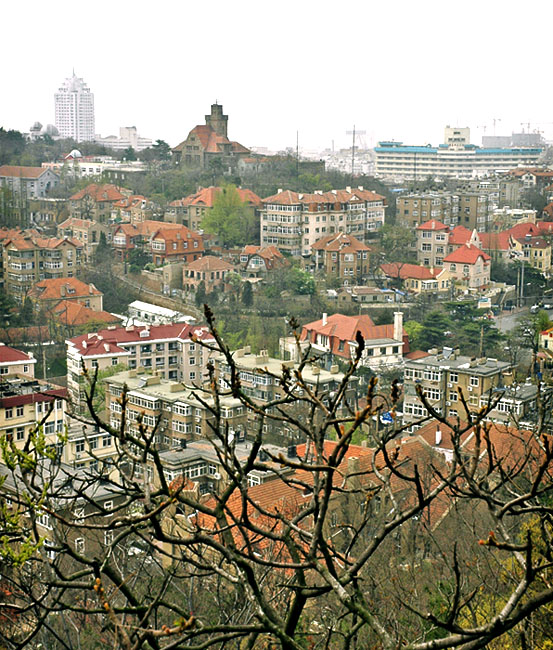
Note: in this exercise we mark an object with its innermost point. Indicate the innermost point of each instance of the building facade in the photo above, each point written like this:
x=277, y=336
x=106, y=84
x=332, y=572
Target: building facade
x=75, y=110
x=342, y=257
x=293, y=221
x=441, y=375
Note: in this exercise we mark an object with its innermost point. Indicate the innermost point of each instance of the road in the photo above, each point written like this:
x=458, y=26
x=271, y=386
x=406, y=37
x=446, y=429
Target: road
x=507, y=322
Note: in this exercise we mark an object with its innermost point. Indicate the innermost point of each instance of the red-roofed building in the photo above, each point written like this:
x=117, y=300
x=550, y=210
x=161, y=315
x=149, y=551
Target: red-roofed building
x=415, y=278
x=71, y=315
x=343, y=257
x=167, y=349
x=175, y=244
x=47, y=293
x=432, y=239
x=29, y=258
x=16, y=362
x=86, y=231
x=256, y=261
x=334, y=337
x=208, y=146
x=95, y=202
x=210, y=270
x=191, y=210
x=294, y=221
x=31, y=182
x=135, y=209
x=126, y=237
x=469, y=267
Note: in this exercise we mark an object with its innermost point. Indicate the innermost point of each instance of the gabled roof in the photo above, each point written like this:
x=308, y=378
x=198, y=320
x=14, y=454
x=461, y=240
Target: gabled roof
x=289, y=197
x=206, y=196
x=99, y=193
x=90, y=344
x=459, y=235
x=11, y=355
x=433, y=224
x=71, y=312
x=495, y=241
x=61, y=288
x=339, y=327
x=466, y=254
x=211, y=141
x=18, y=171
x=339, y=242
x=209, y=263
x=74, y=222
x=410, y=271
x=29, y=242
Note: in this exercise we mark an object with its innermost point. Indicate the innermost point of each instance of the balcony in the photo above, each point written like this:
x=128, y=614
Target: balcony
x=53, y=265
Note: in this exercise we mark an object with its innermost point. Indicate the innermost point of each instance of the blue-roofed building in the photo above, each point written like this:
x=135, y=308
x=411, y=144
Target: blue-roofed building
x=455, y=158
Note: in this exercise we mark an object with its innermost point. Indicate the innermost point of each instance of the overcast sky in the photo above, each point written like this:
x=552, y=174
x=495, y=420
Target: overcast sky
x=396, y=69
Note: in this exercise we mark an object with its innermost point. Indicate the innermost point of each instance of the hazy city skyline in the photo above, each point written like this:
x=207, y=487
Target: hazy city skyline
x=400, y=71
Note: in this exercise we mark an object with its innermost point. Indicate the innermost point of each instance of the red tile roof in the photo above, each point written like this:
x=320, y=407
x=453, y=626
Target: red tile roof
x=409, y=271
x=206, y=196
x=209, y=263
x=288, y=197
x=495, y=241
x=74, y=222
x=339, y=242
x=11, y=355
x=433, y=224
x=99, y=193
x=459, y=235
x=341, y=328
x=17, y=171
x=71, y=312
x=211, y=141
x=466, y=254
x=131, y=334
x=58, y=288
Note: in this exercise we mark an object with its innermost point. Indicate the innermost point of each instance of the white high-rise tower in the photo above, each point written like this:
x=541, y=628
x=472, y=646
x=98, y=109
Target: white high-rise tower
x=75, y=110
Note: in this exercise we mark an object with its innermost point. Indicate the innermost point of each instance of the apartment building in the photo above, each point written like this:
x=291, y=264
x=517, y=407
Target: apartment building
x=415, y=209
x=75, y=110
x=432, y=240
x=260, y=379
x=212, y=271
x=294, y=221
x=173, y=351
x=24, y=401
x=134, y=209
x=175, y=244
x=342, y=257
x=470, y=209
x=29, y=258
x=442, y=374
x=16, y=362
x=455, y=158
x=174, y=411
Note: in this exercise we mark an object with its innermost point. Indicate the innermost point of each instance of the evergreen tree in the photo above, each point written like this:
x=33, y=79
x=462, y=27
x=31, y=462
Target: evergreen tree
x=247, y=294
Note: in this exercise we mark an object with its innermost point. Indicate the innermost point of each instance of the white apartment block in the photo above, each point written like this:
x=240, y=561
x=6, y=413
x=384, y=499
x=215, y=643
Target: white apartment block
x=456, y=158
x=171, y=351
x=293, y=221
x=75, y=110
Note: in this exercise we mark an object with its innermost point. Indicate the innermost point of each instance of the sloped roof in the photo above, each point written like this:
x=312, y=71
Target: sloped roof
x=131, y=334
x=495, y=241
x=58, y=288
x=99, y=193
x=340, y=242
x=75, y=222
x=211, y=141
x=410, y=271
x=206, y=196
x=459, y=235
x=11, y=355
x=18, y=171
x=433, y=224
x=71, y=312
x=466, y=254
x=289, y=197
x=209, y=263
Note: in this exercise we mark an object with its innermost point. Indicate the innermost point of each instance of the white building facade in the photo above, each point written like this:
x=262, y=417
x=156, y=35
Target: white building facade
x=75, y=110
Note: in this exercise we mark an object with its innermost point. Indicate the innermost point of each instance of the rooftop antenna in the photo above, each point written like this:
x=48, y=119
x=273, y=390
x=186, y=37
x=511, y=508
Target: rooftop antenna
x=354, y=134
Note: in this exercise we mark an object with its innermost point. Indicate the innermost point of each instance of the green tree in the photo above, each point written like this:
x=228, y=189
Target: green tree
x=129, y=154
x=247, y=294
x=396, y=245
x=435, y=325
x=230, y=219
x=200, y=296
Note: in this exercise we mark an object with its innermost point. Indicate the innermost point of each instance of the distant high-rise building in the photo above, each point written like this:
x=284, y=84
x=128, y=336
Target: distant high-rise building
x=75, y=110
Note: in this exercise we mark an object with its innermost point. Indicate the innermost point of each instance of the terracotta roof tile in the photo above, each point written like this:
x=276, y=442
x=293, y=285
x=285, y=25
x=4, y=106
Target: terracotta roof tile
x=10, y=355
x=433, y=224
x=58, y=288
x=409, y=271
x=466, y=254
x=99, y=193
x=17, y=171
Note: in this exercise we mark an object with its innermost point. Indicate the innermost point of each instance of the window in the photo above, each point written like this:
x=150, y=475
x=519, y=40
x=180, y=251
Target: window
x=79, y=446
x=20, y=433
x=454, y=377
x=79, y=545
x=44, y=521
x=19, y=411
x=114, y=361
x=106, y=440
x=474, y=381
x=108, y=537
x=108, y=505
x=9, y=413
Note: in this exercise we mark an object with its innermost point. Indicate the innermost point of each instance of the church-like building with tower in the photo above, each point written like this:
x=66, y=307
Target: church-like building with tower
x=209, y=142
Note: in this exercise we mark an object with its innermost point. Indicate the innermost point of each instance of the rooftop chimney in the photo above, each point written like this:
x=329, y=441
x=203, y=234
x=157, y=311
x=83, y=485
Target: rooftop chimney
x=398, y=326
x=325, y=321
x=438, y=438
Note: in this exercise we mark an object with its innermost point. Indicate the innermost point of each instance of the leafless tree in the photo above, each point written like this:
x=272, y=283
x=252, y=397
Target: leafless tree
x=441, y=540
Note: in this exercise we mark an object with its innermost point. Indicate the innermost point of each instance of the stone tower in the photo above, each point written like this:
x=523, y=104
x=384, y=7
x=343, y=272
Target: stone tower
x=217, y=121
